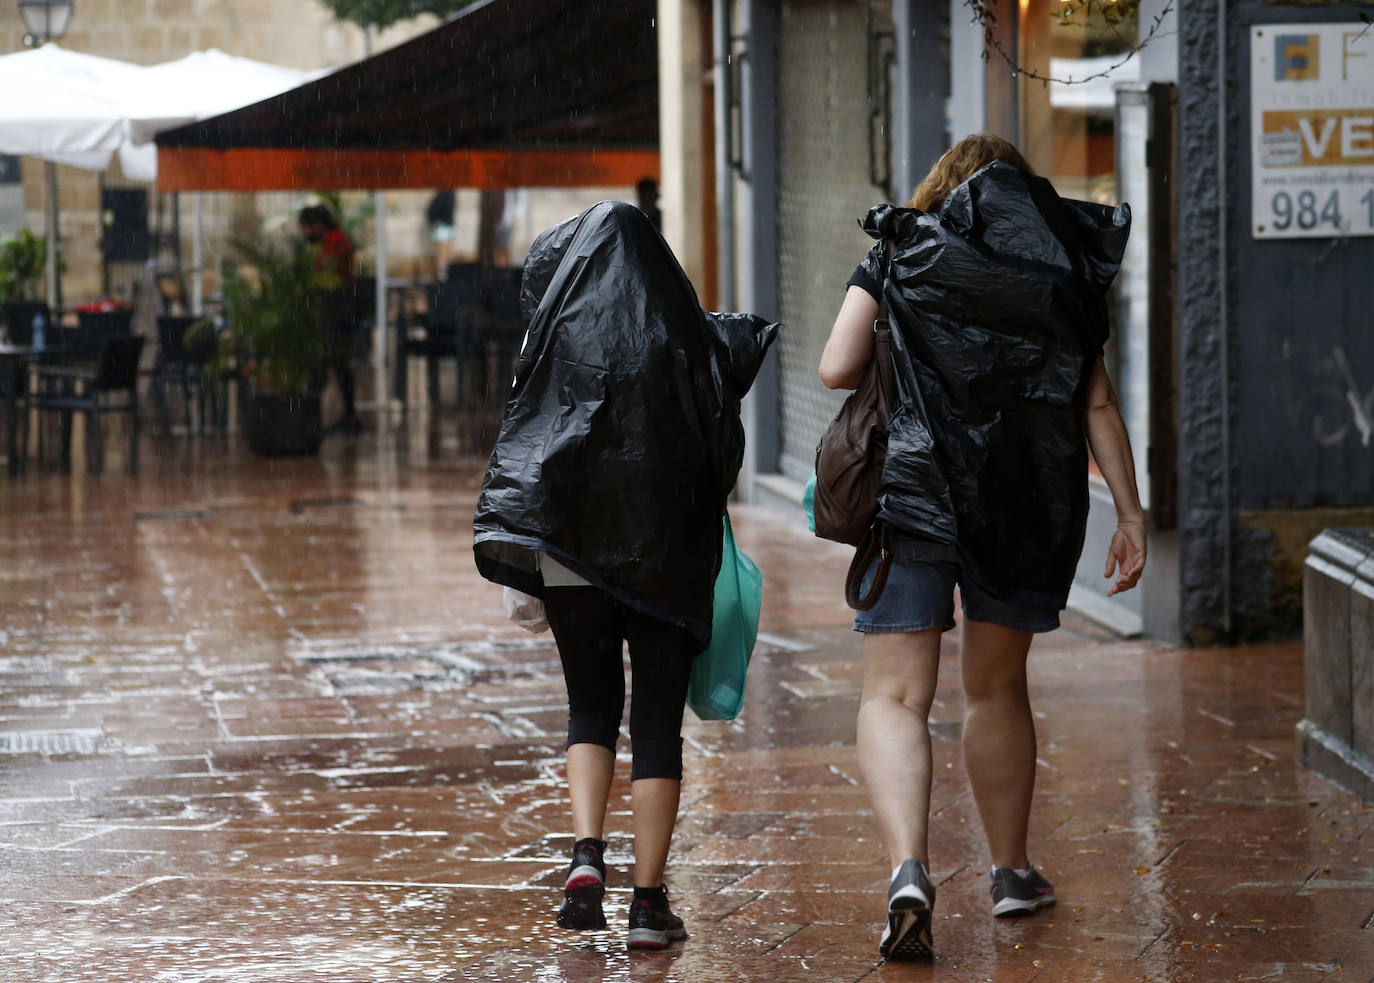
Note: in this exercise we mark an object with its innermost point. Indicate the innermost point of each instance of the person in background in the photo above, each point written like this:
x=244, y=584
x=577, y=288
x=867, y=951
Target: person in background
x=334, y=254
x=439, y=216
x=998, y=295
x=646, y=198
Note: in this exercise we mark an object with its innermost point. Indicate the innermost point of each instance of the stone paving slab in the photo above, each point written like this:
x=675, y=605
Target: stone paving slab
x=260, y=722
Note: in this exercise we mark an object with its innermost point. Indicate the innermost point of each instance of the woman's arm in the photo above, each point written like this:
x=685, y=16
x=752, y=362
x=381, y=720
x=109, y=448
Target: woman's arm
x=1111, y=447
x=850, y=347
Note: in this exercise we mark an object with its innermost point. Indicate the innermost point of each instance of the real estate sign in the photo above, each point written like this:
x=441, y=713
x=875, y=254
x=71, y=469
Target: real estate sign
x=1312, y=130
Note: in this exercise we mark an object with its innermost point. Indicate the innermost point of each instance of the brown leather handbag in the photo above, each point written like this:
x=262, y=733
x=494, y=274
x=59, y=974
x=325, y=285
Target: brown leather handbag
x=849, y=468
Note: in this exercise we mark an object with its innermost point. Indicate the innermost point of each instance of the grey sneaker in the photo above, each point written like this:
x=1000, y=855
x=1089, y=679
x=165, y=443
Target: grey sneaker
x=1014, y=896
x=910, y=902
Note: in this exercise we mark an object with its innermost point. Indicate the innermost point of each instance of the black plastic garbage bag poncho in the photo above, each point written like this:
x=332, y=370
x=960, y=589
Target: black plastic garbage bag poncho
x=999, y=307
x=622, y=437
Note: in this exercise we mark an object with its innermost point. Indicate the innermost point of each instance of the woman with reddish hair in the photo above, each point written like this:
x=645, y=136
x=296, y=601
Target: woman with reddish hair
x=997, y=291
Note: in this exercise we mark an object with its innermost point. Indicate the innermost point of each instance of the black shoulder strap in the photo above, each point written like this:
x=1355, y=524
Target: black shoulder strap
x=889, y=246
x=882, y=334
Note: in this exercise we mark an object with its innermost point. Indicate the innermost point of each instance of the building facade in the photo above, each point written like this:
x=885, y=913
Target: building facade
x=1243, y=357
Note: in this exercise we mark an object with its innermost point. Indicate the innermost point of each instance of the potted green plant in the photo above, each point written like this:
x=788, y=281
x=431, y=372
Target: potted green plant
x=275, y=302
x=23, y=257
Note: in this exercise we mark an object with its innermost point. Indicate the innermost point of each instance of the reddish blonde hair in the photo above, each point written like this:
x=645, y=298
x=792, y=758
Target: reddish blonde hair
x=959, y=163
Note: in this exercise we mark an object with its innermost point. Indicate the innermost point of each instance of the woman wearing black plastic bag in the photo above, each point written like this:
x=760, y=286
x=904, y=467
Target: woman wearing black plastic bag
x=997, y=290
x=620, y=443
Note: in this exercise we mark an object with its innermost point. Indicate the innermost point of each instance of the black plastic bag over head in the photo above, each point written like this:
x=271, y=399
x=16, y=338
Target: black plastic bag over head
x=622, y=438
x=999, y=310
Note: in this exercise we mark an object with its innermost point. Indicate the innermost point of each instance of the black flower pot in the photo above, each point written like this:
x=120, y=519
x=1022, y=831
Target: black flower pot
x=281, y=425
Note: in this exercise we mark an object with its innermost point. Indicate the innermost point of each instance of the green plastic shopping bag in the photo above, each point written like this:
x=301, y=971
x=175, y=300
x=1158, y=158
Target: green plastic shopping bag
x=716, y=689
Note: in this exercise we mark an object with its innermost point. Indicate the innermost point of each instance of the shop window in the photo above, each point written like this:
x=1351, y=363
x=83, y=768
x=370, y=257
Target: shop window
x=1068, y=122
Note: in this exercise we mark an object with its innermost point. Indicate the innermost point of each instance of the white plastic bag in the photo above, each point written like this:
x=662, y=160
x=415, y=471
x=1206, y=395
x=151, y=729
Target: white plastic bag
x=525, y=611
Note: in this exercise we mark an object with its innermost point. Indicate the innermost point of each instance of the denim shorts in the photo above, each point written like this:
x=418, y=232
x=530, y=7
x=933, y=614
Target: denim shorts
x=920, y=594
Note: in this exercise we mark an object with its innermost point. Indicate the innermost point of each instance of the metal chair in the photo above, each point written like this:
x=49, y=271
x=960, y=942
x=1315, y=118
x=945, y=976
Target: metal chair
x=181, y=368
x=16, y=322
x=14, y=397
x=501, y=329
x=69, y=389
x=94, y=328
x=362, y=302
x=449, y=330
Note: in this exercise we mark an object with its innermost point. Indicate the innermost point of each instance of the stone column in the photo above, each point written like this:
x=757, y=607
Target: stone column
x=681, y=134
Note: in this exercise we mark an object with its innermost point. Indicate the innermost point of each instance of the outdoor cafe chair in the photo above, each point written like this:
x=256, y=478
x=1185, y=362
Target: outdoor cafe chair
x=16, y=324
x=108, y=386
x=362, y=299
x=448, y=331
x=14, y=397
x=501, y=329
x=181, y=368
x=93, y=329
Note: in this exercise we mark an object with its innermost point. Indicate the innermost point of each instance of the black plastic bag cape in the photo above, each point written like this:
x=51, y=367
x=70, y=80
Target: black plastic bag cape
x=999, y=311
x=622, y=438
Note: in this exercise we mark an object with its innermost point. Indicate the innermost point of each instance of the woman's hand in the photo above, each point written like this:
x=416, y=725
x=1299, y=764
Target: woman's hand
x=1111, y=449
x=1126, y=556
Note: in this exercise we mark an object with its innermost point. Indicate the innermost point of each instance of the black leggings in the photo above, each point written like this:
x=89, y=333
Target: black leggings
x=589, y=626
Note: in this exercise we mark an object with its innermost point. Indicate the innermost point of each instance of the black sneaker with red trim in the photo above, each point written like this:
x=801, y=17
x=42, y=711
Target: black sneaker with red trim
x=652, y=923
x=585, y=887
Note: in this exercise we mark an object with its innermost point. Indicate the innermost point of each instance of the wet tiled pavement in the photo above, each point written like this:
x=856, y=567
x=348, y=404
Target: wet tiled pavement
x=263, y=722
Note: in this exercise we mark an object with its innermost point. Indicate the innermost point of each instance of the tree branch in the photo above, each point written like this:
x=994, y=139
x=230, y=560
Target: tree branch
x=985, y=15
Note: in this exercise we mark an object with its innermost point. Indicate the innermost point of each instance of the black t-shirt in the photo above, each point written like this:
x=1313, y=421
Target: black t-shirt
x=441, y=208
x=871, y=273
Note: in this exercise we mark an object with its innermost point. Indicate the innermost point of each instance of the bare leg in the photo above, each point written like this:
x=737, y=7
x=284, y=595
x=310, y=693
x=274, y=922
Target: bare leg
x=999, y=736
x=900, y=673
x=654, y=801
x=443, y=252
x=590, y=768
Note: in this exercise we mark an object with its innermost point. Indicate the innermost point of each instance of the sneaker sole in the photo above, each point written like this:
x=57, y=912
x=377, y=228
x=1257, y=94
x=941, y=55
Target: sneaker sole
x=1019, y=907
x=648, y=938
x=582, y=905
x=908, y=929
x=579, y=880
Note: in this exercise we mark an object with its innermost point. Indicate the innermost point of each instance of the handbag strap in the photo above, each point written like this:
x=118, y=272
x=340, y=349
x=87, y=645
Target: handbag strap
x=882, y=334
x=874, y=545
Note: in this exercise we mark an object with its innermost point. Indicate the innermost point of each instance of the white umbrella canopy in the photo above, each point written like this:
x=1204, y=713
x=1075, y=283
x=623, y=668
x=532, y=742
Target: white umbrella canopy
x=207, y=83
x=201, y=85
x=68, y=107
x=79, y=109
x=73, y=106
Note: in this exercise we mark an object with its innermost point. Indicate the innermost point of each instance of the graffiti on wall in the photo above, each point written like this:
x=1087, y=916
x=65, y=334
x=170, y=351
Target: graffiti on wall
x=1330, y=404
